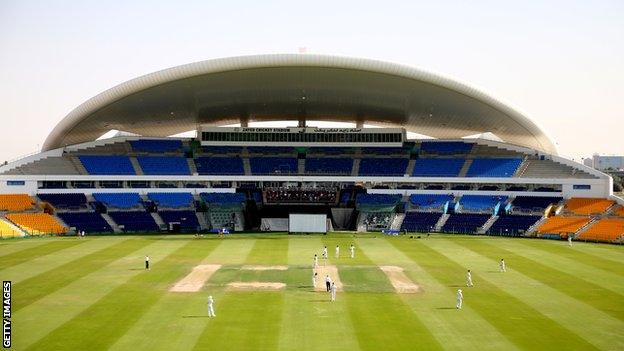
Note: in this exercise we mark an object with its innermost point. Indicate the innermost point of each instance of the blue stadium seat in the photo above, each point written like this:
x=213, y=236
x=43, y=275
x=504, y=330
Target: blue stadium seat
x=107, y=165
x=219, y=150
x=334, y=166
x=187, y=219
x=446, y=147
x=480, y=202
x=273, y=165
x=466, y=223
x=90, y=222
x=118, y=200
x=156, y=146
x=172, y=200
x=438, y=167
x=378, y=199
x=511, y=225
x=384, y=151
x=270, y=150
x=493, y=167
x=64, y=201
x=391, y=167
x=223, y=198
x=163, y=165
x=136, y=221
x=430, y=201
x=534, y=203
x=420, y=221
x=220, y=165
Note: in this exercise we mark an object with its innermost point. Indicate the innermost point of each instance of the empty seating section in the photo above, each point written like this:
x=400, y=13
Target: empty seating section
x=65, y=201
x=551, y=169
x=619, y=211
x=15, y=202
x=37, y=223
x=429, y=202
x=384, y=151
x=378, y=199
x=512, y=225
x=163, y=165
x=466, y=223
x=223, y=198
x=90, y=222
x=186, y=219
x=533, y=203
x=605, y=229
x=171, y=200
x=586, y=206
x=420, y=221
x=119, y=200
x=480, y=203
x=7, y=231
x=219, y=150
x=438, y=167
x=333, y=166
x=493, y=167
x=136, y=221
x=445, y=147
x=331, y=150
x=219, y=165
x=383, y=166
x=107, y=165
x=273, y=165
x=562, y=225
x=156, y=146
x=270, y=150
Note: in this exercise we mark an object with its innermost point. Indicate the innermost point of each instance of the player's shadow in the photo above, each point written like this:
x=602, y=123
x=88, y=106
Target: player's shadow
x=456, y=286
x=445, y=308
x=195, y=316
x=137, y=269
x=319, y=300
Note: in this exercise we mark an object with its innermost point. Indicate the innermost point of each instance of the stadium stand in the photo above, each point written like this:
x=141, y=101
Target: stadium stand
x=493, y=167
x=107, y=165
x=533, y=203
x=384, y=151
x=512, y=225
x=156, y=146
x=220, y=150
x=119, y=200
x=90, y=222
x=481, y=203
x=430, y=202
x=300, y=195
x=438, y=167
x=378, y=199
x=445, y=147
x=7, y=231
x=219, y=165
x=171, y=200
x=420, y=221
x=550, y=169
x=223, y=198
x=562, y=226
x=15, y=202
x=333, y=166
x=619, y=211
x=587, y=206
x=37, y=223
x=65, y=201
x=270, y=150
x=135, y=221
x=605, y=229
x=187, y=220
x=163, y=165
x=273, y=165
x=395, y=167
x=466, y=223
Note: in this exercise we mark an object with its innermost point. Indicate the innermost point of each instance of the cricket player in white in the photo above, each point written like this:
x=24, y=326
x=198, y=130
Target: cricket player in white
x=211, y=307
x=333, y=291
x=469, y=279
x=314, y=274
x=460, y=299
x=337, y=251
x=315, y=261
x=328, y=282
x=147, y=262
x=352, y=249
x=503, y=268
x=569, y=240
x=325, y=252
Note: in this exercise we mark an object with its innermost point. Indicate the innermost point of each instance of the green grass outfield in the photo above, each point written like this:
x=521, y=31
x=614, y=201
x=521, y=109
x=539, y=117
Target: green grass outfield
x=93, y=293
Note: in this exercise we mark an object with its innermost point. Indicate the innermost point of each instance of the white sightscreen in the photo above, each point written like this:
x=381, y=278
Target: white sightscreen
x=307, y=223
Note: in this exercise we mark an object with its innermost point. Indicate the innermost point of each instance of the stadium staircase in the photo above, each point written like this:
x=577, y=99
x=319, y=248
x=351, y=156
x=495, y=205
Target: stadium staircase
x=301, y=166
x=584, y=228
x=78, y=165
x=204, y=224
x=487, y=225
x=159, y=221
x=356, y=167
x=410, y=166
x=111, y=222
x=397, y=221
x=191, y=166
x=135, y=164
x=533, y=229
x=441, y=222
x=246, y=166
x=465, y=167
x=523, y=166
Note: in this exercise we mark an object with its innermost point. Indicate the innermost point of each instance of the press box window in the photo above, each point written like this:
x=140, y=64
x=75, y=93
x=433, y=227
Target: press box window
x=581, y=187
x=16, y=183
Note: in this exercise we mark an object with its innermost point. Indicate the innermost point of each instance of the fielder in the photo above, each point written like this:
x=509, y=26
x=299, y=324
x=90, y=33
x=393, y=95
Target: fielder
x=333, y=292
x=569, y=240
x=460, y=299
x=147, y=262
x=211, y=307
x=328, y=283
x=315, y=261
x=337, y=251
x=502, y=266
x=469, y=279
x=314, y=274
x=325, y=252
x=352, y=250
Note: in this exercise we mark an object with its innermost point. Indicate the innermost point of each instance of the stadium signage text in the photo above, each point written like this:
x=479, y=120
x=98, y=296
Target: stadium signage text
x=6, y=314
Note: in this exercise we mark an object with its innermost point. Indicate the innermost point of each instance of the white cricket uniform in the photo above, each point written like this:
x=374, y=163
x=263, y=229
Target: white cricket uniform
x=352, y=249
x=460, y=299
x=315, y=261
x=337, y=252
x=469, y=279
x=313, y=280
x=211, y=307
x=502, y=266
x=570, y=240
x=325, y=253
x=333, y=292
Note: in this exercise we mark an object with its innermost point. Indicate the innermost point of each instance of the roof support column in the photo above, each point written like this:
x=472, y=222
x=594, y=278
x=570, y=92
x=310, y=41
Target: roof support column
x=302, y=122
x=244, y=121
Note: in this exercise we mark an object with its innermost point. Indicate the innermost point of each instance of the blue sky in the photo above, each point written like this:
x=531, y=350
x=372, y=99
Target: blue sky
x=559, y=62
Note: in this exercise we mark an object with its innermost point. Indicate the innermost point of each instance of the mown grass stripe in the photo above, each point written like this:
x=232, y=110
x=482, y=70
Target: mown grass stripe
x=538, y=331
x=579, y=289
x=9, y=246
x=38, y=286
x=29, y=253
x=137, y=296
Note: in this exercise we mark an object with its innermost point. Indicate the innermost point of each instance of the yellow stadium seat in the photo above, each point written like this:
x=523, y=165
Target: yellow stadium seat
x=606, y=229
x=15, y=202
x=37, y=223
x=586, y=206
x=562, y=225
x=8, y=231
